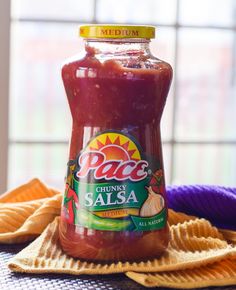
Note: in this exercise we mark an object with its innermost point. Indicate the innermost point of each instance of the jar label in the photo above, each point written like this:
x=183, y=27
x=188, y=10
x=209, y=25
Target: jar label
x=112, y=186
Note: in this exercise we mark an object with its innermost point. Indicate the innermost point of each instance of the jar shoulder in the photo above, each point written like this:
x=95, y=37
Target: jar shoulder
x=119, y=63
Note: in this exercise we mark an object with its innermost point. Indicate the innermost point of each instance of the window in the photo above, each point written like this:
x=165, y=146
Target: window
x=199, y=136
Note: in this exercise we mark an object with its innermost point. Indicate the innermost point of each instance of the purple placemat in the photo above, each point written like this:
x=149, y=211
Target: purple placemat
x=215, y=203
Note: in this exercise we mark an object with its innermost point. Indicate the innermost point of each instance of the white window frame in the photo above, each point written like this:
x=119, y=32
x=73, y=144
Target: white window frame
x=5, y=22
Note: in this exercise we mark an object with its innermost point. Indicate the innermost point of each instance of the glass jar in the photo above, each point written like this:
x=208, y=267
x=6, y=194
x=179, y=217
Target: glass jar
x=114, y=206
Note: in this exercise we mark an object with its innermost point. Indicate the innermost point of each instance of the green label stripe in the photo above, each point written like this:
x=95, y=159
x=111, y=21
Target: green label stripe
x=150, y=223
x=133, y=223
x=89, y=220
x=113, y=195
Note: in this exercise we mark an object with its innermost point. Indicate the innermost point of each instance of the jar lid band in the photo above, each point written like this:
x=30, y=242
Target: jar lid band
x=116, y=31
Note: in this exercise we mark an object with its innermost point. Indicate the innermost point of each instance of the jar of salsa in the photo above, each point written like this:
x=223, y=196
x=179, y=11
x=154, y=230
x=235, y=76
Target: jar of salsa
x=114, y=206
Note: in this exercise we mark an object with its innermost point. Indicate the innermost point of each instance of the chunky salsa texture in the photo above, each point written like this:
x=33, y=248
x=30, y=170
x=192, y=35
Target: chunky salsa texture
x=114, y=206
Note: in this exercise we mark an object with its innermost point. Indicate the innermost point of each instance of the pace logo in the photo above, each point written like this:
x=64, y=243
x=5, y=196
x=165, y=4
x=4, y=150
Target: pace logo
x=112, y=156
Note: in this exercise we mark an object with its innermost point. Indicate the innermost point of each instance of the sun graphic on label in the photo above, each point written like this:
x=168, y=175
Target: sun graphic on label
x=115, y=146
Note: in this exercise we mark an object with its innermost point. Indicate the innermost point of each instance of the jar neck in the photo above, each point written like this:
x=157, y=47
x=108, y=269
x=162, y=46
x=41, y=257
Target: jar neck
x=118, y=46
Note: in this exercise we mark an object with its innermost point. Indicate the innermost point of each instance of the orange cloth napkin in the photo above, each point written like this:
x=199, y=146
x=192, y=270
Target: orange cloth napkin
x=26, y=211
x=198, y=255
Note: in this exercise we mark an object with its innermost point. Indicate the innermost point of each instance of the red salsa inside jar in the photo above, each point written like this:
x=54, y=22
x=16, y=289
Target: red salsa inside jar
x=114, y=206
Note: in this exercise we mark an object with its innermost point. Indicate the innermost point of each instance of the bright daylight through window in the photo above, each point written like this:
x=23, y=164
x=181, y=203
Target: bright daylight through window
x=197, y=127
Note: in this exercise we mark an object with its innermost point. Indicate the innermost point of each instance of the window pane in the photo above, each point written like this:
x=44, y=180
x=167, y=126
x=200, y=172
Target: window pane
x=47, y=162
x=164, y=44
x=137, y=11
x=38, y=105
x=205, y=164
x=54, y=9
x=207, y=12
x=163, y=48
x=206, y=93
